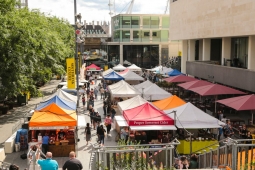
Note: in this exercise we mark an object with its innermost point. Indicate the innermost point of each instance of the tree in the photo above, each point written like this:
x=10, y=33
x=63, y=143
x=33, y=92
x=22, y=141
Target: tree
x=33, y=46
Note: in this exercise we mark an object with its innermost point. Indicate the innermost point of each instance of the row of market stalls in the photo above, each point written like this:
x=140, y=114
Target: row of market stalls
x=56, y=116
x=147, y=107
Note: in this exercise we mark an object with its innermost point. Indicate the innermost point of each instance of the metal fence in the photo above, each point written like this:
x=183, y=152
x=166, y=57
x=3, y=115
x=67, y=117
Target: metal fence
x=134, y=156
x=235, y=154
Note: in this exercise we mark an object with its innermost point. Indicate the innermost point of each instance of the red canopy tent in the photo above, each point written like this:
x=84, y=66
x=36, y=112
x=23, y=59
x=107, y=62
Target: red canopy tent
x=93, y=67
x=180, y=78
x=214, y=90
x=148, y=117
x=193, y=84
x=246, y=102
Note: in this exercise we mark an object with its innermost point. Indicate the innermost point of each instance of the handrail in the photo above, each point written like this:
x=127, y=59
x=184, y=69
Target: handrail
x=223, y=140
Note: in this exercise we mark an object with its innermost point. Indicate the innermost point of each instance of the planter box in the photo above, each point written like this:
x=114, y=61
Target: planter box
x=4, y=109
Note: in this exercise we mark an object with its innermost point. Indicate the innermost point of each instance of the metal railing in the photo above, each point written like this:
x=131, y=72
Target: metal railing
x=134, y=156
x=234, y=153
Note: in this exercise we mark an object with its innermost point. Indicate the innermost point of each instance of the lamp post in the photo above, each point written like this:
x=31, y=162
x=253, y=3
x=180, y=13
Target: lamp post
x=76, y=56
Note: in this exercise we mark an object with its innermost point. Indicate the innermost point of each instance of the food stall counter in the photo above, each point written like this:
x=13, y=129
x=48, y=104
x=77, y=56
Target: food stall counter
x=184, y=146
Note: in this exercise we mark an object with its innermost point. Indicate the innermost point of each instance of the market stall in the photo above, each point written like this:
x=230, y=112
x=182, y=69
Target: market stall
x=125, y=90
x=69, y=105
x=154, y=92
x=196, y=122
x=131, y=77
x=131, y=103
x=59, y=124
x=169, y=103
x=119, y=67
x=63, y=95
x=113, y=76
x=134, y=67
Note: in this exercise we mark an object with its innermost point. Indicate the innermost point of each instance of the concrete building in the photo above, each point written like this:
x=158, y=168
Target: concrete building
x=142, y=39
x=218, y=39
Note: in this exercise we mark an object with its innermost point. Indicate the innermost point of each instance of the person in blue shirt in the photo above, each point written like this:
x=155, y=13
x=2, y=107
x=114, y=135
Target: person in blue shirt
x=45, y=143
x=48, y=163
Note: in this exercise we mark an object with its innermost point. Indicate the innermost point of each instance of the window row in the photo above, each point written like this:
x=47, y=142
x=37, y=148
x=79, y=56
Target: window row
x=141, y=35
x=136, y=21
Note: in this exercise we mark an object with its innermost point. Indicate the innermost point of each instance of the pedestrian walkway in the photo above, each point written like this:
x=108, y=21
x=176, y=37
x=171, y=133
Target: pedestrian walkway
x=14, y=119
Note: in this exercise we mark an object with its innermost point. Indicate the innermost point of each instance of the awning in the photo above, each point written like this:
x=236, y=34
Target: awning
x=151, y=127
x=121, y=121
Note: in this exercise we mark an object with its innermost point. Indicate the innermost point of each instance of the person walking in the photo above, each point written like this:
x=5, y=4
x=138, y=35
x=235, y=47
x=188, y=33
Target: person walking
x=95, y=80
x=105, y=107
x=91, y=100
x=48, y=163
x=83, y=100
x=96, y=93
x=73, y=163
x=108, y=123
x=101, y=132
x=102, y=93
x=88, y=133
x=113, y=112
x=45, y=143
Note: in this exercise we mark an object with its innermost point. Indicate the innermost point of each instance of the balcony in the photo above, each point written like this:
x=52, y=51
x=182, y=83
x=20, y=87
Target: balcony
x=232, y=76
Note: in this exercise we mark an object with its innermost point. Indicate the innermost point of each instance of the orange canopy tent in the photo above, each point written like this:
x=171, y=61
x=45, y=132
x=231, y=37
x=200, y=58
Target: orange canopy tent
x=169, y=103
x=53, y=116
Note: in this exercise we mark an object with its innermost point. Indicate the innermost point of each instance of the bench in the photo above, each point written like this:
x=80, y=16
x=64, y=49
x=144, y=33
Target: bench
x=9, y=144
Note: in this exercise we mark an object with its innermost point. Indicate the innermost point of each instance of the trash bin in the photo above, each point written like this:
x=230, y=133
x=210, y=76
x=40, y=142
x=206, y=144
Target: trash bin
x=17, y=147
x=22, y=99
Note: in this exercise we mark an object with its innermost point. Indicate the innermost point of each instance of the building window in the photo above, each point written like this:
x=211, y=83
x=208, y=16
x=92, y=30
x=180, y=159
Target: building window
x=239, y=52
x=145, y=35
x=146, y=22
x=116, y=36
x=126, y=21
x=136, y=36
x=125, y=35
x=135, y=22
x=165, y=22
x=156, y=36
x=164, y=35
x=154, y=22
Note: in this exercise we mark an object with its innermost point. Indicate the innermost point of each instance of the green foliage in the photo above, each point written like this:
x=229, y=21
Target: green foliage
x=33, y=47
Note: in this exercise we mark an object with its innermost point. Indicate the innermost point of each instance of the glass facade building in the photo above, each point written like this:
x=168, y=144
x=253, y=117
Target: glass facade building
x=141, y=39
x=140, y=28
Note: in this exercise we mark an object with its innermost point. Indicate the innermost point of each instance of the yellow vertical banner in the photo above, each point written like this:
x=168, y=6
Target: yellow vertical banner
x=70, y=66
x=179, y=53
x=105, y=67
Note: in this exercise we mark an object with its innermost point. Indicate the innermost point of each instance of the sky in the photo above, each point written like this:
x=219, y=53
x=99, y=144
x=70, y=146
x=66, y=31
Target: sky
x=96, y=10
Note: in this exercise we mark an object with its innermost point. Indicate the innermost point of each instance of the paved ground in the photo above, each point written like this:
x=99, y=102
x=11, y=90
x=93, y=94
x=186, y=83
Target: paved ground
x=14, y=119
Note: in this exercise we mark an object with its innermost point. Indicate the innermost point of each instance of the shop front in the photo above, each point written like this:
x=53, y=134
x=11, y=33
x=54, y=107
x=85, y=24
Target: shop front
x=59, y=124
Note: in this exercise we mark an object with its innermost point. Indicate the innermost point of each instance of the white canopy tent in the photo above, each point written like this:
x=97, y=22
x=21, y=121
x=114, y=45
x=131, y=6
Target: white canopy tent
x=127, y=62
x=119, y=67
x=145, y=84
x=64, y=95
x=107, y=71
x=125, y=90
x=190, y=117
x=116, y=85
x=134, y=67
x=130, y=75
x=154, y=92
x=131, y=103
x=165, y=70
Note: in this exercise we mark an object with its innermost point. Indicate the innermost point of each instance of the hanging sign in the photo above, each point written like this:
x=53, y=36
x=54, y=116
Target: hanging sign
x=70, y=66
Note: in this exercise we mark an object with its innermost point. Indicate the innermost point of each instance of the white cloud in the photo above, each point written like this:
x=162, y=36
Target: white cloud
x=97, y=10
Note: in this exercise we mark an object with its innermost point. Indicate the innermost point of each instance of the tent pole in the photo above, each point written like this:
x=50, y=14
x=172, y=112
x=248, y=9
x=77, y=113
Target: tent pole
x=252, y=117
x=215, y=104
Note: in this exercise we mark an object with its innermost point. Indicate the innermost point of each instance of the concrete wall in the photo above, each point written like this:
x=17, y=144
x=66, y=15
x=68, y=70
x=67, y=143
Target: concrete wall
x=195, y=19
x=231, y=76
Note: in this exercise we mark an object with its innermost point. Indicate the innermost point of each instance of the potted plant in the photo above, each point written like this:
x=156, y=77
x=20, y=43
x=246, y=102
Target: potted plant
x=4, y=109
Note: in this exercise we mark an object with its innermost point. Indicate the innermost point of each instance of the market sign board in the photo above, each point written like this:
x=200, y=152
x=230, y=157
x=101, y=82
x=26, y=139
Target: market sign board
x=70, y=66
x=149, y=122
x=50, y=127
